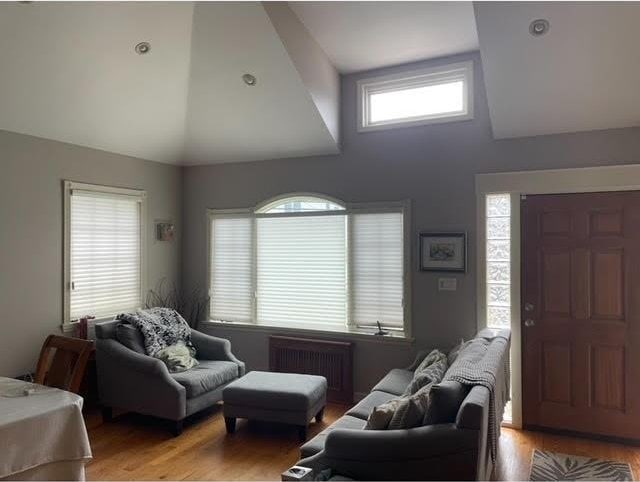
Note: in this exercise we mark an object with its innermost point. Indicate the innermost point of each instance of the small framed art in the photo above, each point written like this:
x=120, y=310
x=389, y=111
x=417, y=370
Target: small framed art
x=165, y=231
x=443, y=252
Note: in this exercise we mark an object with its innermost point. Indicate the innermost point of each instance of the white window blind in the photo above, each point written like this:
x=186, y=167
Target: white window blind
x=105, y=254
x=301, y=270
x=377, y=265
x=232, y=269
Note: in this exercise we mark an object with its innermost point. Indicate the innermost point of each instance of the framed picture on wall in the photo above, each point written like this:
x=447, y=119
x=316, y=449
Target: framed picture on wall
x=443, y=252
x=165, y=231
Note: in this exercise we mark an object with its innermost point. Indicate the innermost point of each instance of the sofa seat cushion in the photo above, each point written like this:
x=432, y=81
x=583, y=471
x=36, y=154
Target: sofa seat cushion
x=365, y=406
x=276, y=391
x=316, y=444
x=207, y=376
x=395, y=382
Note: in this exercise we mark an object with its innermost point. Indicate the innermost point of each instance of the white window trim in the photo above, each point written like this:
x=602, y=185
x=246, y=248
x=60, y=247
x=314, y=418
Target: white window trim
x=433, y=75
x=68, y=187
x=522, y=183
x=350, y=208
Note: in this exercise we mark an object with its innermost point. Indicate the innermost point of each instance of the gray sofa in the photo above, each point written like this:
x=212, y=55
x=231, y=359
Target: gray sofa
x=456, y=450
x=131, y=380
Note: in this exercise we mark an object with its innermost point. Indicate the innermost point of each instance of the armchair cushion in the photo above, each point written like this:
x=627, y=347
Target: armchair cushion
x=130, y=337
x=206, y=376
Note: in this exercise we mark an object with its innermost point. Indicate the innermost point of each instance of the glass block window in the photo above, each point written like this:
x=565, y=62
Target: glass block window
x=498, y=215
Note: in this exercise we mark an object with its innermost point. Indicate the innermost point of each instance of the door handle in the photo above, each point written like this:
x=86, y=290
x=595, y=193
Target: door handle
x=529, y=323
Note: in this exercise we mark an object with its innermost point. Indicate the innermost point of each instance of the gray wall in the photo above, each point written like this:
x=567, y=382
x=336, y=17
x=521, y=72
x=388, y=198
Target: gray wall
x=31, y=220
x=432, y=165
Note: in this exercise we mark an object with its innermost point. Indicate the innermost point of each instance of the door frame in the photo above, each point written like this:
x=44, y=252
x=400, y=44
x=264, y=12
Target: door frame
x=522, y=183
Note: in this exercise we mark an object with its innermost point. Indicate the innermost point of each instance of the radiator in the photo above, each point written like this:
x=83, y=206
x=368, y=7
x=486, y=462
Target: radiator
x=331, y=359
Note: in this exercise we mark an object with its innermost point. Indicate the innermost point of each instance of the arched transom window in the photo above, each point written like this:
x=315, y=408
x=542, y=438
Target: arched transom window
x=301, y=204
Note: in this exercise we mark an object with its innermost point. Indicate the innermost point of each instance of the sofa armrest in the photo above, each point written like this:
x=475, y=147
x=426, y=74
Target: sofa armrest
x=381, y=445
x=132, y=381
x=213, y=348
x=435, y=452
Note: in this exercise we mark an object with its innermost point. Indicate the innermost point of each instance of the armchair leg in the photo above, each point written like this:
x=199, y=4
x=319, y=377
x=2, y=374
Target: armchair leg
x=320, y=415
x=230, y=423
x=178, y=427
x=107, y=414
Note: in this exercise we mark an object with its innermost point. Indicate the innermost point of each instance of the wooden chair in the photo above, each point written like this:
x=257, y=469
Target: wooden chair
x=62, y=362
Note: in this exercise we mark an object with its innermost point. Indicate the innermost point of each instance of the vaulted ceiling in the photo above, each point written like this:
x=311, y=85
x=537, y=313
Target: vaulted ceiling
x=70, y=72
x=582, y=75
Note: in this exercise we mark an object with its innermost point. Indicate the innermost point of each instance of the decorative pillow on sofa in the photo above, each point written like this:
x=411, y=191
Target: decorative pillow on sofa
x=412, y=411
x=431, y=370
x=445, y=399
x=400, y=413
x=381, y=415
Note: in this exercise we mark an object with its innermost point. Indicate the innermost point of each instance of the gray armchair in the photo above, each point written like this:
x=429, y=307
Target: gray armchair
x=129, y=379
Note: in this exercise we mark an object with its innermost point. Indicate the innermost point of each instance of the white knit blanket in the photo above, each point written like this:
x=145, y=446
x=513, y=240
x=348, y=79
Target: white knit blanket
x=485, y=362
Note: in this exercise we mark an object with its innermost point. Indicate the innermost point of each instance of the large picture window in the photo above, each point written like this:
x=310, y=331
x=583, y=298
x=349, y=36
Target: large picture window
x=103, y=250
x=309, y=262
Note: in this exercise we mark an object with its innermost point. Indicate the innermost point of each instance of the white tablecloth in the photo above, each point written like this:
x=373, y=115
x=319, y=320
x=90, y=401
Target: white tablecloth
x=44, y=427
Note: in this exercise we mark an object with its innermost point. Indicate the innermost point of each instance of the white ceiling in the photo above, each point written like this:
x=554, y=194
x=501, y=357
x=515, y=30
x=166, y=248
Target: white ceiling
x=229, y=121
x=69, y=73
x=365, y=35
x=584, y=74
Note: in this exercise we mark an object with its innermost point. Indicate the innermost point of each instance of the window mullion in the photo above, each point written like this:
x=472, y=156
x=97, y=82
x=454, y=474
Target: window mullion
x=254, y=269
x=349, y=282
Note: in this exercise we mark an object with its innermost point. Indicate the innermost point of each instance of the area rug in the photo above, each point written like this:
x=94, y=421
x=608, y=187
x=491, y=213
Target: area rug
x=555, y=466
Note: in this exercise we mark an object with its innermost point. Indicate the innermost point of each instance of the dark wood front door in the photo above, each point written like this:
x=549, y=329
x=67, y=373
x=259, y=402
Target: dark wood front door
x=581, y=312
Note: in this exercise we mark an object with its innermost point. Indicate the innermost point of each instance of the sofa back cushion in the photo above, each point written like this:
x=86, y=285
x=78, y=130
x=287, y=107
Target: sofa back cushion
x=130, y=337
x=445, y=399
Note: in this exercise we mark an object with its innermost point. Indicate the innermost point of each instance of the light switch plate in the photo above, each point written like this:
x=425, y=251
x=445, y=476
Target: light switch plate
x=447, y=284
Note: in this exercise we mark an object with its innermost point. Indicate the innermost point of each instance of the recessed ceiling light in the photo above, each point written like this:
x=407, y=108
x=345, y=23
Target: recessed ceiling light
x=249, y=79
x=143, y=48
x=539, y=27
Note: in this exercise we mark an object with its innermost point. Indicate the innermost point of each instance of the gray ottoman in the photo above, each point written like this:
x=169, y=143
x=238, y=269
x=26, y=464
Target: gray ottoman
x=275, y=397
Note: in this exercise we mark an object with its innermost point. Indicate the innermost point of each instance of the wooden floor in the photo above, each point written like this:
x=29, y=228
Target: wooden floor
x=135, y=447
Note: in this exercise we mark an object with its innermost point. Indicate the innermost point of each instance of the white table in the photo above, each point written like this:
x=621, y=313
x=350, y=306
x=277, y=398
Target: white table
x=42, y=435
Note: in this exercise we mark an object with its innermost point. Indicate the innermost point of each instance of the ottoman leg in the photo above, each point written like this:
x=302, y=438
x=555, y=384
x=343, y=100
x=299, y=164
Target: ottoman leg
x=320, y=415
x=230, y=422
x=302, y=433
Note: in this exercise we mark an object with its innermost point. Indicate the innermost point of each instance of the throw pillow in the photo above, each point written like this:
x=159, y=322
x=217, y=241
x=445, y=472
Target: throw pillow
x=178, y=357
x=445, y=399
x=381, y=415
x=431, y=373
x=430, y=359
x=412, y=410
x=420, y=356
x=130, y=337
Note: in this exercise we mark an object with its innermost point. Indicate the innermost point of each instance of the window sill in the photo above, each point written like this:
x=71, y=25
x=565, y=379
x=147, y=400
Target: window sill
x=364, y=335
